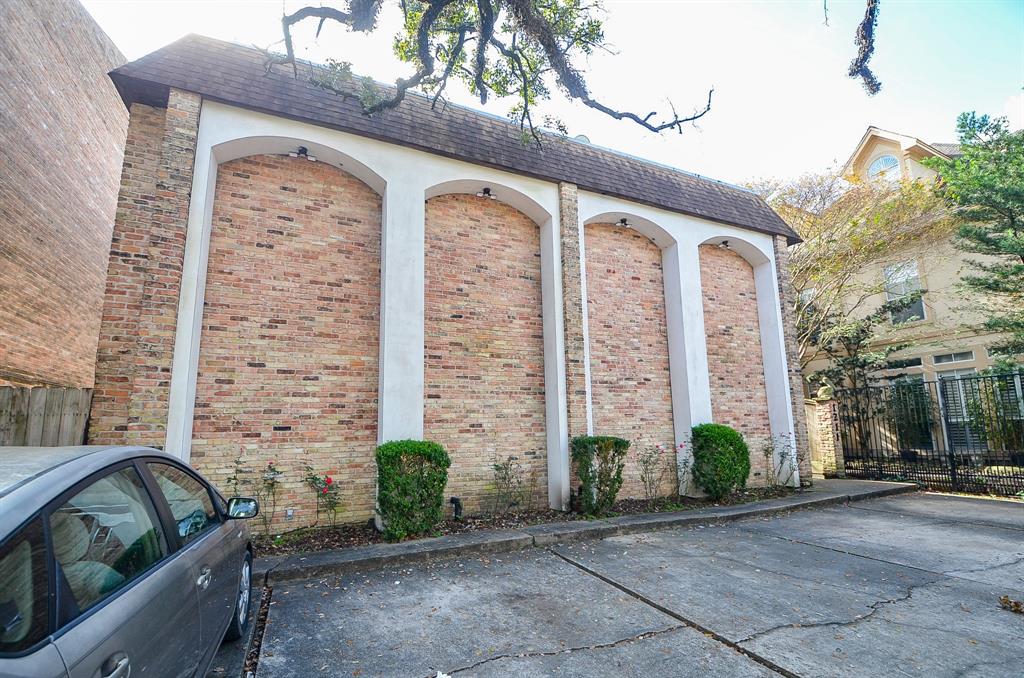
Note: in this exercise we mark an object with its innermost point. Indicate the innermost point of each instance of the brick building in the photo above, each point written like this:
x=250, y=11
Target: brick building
x=292, y=280
x=62, y=132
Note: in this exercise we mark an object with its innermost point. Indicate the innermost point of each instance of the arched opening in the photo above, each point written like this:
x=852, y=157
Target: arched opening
x=732, y=327
x=484, y=380
x=287, y=367
x=631, y=392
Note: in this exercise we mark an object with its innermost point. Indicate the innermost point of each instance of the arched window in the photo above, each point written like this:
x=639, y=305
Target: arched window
x=884, y=166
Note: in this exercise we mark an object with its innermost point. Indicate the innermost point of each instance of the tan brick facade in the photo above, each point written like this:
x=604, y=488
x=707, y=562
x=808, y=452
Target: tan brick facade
x=136, y=342
x=62, y=133
x=288, y=360
x=484, y=352
x=629, y=366
x=572, y=311
x=787, y=297
x=736, y=370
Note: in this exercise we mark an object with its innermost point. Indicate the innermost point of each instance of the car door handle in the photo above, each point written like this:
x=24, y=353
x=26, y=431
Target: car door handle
x=204, y=578
x=117, y=666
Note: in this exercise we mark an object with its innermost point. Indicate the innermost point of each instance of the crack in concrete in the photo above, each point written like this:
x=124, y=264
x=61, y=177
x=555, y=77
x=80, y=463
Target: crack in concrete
x=987, y=568
x=935, y=519
x=1008, y=663
x=714, y=635
x=875, y=607
x=567, y=650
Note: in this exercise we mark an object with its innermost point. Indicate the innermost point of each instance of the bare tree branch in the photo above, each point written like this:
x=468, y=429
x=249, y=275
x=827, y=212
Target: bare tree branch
x=865, y=41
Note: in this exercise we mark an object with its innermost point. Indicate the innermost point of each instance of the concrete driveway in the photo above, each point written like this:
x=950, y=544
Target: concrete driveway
x=905, y=585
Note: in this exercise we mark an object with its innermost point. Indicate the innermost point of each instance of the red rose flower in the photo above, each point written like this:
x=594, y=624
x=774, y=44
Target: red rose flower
x=328, y=479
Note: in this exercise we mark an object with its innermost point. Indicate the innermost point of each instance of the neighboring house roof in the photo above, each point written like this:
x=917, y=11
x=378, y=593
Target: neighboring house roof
x=950, y=150
x=906, y=143
x=239, y=76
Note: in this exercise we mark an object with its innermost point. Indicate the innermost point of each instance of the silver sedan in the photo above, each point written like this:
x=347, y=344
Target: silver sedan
x=117, y=561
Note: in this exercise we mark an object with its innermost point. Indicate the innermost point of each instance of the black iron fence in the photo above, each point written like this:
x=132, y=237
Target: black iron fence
x=964, y=434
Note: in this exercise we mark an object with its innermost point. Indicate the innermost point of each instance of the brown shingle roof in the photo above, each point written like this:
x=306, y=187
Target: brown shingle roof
x=952, y=150
x=237, y=75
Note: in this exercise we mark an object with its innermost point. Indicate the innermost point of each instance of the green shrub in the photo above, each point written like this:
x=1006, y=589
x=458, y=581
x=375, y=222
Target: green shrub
x=721, y=460
x=411, y=477
x=599, y=462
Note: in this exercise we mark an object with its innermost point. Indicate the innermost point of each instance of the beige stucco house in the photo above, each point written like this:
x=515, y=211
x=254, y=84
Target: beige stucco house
x=944, y=343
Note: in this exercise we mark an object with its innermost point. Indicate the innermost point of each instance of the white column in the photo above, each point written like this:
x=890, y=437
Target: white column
x=400, y=396
x=687, y=345
x=185, y=366
x=775, y=360
x=555, y=404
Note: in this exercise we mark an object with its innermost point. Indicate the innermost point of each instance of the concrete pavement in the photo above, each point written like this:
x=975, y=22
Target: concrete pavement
x=905, y=585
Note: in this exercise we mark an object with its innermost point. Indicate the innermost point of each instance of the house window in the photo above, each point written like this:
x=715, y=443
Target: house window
x=884, y=167
x=960, y=357
x=902, y=279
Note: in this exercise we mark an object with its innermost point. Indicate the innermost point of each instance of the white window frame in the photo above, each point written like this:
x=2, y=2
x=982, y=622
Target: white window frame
x=899, y=274
x=889, y=172
x=953, y=358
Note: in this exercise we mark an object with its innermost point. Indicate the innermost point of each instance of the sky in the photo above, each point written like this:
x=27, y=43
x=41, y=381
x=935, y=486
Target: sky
x=782, y=107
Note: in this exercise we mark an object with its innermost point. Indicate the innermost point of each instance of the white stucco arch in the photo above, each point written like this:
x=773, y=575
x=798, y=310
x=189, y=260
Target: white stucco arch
x=242, y=147
x=773, y=348
x=503, y=193
x=641, y=224
x=529, y=199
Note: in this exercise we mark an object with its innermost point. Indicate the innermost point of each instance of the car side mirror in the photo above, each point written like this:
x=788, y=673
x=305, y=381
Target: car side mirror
x=243, y=507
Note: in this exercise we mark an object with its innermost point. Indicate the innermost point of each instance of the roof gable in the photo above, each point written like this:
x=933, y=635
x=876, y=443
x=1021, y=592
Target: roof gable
x=238, y=76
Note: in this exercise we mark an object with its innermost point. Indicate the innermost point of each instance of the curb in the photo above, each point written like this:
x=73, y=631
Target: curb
x=275, y=569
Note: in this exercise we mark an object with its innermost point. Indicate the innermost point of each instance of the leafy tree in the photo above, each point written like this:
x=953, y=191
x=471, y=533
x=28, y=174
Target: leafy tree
x=847, y=227
x=855, y=346
x=519, y=48
x=986, y=184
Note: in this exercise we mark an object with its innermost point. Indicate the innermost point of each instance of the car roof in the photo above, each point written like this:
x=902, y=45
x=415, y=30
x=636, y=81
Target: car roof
x=18, y=464
x=30, y=477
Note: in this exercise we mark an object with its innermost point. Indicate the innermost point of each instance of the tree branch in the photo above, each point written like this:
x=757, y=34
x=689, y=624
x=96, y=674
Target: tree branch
x=865, y=41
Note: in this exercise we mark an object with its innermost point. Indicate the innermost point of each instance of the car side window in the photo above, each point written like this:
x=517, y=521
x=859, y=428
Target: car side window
x=105, y=536
x=188, y=498
x=23, y=589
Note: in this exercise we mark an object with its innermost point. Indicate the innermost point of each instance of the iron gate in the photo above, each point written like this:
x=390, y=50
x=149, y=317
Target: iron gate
x=964, y=434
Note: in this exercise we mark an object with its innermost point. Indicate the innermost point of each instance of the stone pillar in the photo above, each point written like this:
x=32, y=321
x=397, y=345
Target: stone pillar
x=829, y=448
x=574, y=311
x=787, y=298
x=136, y=342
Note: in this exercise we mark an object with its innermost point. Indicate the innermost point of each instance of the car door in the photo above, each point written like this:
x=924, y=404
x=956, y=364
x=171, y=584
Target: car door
x=25, y=649
x=209, y=542
x=127, y=603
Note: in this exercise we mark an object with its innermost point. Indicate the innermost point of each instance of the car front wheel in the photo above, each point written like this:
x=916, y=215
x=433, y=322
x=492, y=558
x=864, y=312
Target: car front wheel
x=240, y=617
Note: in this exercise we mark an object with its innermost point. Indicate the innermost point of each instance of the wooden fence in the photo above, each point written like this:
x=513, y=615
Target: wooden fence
x=43, y=416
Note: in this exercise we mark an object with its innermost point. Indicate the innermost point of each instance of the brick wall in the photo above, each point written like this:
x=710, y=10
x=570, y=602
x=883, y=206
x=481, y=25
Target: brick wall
x=572, y=311
x=140, y=304
x=288, y=361
x=484, y=353
x=62, y=131
x=629, y=368
x=738, y=396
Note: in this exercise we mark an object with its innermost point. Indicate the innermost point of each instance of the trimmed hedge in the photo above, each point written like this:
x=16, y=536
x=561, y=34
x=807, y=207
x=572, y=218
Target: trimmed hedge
x=721, y=460
x=411, y=477
x=599, y=462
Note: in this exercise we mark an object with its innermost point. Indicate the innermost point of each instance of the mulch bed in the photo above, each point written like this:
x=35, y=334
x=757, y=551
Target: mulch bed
x=361, y=534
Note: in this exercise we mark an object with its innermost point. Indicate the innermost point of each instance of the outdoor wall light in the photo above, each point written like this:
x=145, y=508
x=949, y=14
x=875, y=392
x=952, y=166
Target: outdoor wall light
x=302, y=152
x=623, y=222
x=724, y=245
x=486, y=193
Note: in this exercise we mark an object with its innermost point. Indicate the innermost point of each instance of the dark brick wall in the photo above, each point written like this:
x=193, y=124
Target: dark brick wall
x=62, y=133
